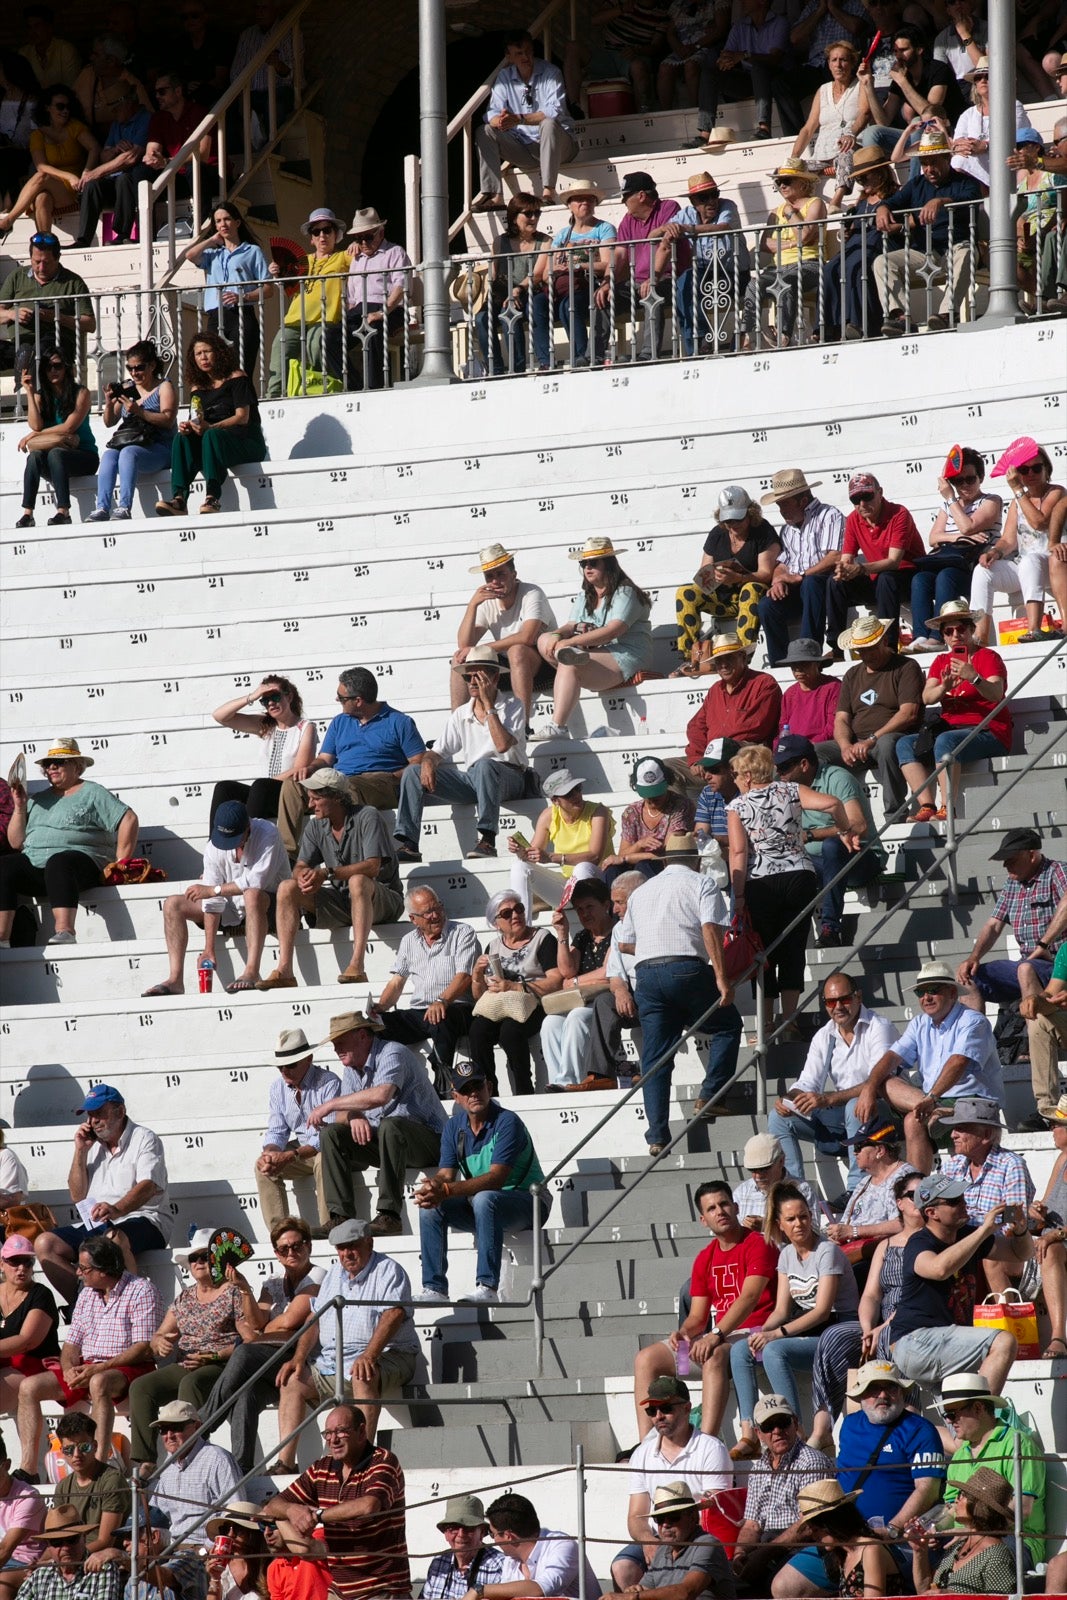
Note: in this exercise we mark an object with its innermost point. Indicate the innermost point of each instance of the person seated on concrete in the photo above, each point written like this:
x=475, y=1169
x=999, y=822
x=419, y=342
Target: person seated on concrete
x=61, y=444
x=613, y=1009
x=820, y=1107
x=994, y=1174
x=52, y=59
x=977, y=1437
x=379, y=1344
x=816, y=1286
x=954, y=1054
x=118, y=1171
x=572, y=839
x=932, y=1330
x=478, y=759
x=982, y=1558
x=506, y=615
x=287, y=740
x=652, y=249
x=488, y=1166
x=583, y=968
x=386, y=1116
x=61, y=147
x=881, y=698
x=368, y=742
x=627, y=42
x=705, y=291
x=173, y=124
x=967, y=525
x=744, y=705
x=719, y=789
x=1025, y=562
x=1034, y=903
x=970, y=135
x=650, y=821
x=1045, y=1015
x=754, y=63
x=124, y=145
x=527, y=124
x=439, y=956
x=285, y=1302
x=108, y=1346
x=919, y=210
x=797, y=761
x=307, y=347
x=920, y=87
x=518, y=967
x=97, y=1490
x=291, y=1146
x=245, y=865
x=60, y=839
x=534, y=1554
x=733, y=1279
x=763, y=1159
x=197, y=1476
x=468, y=1560
x=200, y=1332
x=346, y=875
x=606, y=640
x=380, y=279
x=63, y=314
x=22, y=1513
x=683, y=1560
x=793, y=239
x=870, y=1213
x=809, y=543
x=742, y=551
x=847, y=1549
x=768, y=1536
x=63, y=1570
x=966, y=683
x=809, y=705
x=145, y=407
x=672, y=1444
x=222, y=432
x=880, y=547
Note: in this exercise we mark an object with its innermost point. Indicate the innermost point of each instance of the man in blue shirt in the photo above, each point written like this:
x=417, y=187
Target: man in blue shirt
x=920, y=209
x=527, y=123
x=706, y=289
x=367, y=741
x=488, y=1164
x=123, y=149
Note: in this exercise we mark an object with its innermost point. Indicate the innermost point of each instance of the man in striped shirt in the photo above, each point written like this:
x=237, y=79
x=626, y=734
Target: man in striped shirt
x=811, y=536
x=355, y=1493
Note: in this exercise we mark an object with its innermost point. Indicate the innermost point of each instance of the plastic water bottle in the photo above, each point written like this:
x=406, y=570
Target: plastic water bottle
x=205, y=972
x=681, y=1358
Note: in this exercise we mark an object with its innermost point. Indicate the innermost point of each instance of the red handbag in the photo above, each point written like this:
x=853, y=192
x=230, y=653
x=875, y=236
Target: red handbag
x=741, y=947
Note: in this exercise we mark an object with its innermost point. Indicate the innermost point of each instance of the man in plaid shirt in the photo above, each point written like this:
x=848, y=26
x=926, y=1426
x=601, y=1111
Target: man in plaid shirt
x=108, y=1346
x=995, y=1177
x=468, y=1561
x=1034, y=901
x=772, y=1512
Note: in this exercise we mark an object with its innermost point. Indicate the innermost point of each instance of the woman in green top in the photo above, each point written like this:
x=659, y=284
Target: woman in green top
x=61, y=840
x=60, y=444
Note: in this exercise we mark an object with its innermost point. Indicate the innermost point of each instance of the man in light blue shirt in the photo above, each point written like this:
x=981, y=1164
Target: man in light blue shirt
x=291, y=1143
x=954, y=1057
x=527, y=123
x=715, y=279
x=386, y=1116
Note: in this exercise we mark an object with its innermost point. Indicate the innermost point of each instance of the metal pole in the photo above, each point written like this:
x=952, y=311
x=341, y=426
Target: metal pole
x=134, y=1551
x=538, y=1286
x=579, y=1472
x=1017, y=1487
x=433, y=120
x=761, y=1041
x=1003, y=291
x=951, y=843
x=339, y=1351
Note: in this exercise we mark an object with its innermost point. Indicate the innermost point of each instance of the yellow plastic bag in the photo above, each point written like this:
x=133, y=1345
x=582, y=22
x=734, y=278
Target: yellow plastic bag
x=998, y=1312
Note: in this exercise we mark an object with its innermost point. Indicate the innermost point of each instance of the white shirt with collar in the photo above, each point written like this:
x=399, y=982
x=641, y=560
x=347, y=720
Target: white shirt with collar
x=138, y=1158
x=466, y=739
x=664, y=917
x=833, y=1063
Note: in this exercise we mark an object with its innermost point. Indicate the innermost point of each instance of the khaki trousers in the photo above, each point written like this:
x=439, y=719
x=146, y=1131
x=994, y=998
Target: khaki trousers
x=272, y=1202
x=1048, y=1034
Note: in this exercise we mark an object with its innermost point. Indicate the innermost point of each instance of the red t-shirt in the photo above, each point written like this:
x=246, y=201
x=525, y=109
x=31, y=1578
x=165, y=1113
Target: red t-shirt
x=172, y=132
x=719, y=1275
x=963, y=706
x=291, y=1579
x=894, y=530
x=749, y=715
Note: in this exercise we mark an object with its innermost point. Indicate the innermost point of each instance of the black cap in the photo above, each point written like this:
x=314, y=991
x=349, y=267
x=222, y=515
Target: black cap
x=879, y=1130
x=634, y=182
x=1014, y=840
x=465, y=1073
x=792, y=747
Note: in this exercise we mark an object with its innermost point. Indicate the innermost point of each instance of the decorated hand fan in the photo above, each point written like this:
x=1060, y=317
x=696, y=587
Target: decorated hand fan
x=291, y=257
x=17, y=770
x=953, y=462
x=227, y=1248
x=1020, y=450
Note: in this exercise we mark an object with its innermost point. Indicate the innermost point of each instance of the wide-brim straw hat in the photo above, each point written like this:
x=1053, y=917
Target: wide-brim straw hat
x=240, y=1513
x=981, y=69
x=581, y=191
x=793, y=167
x=65, y=750
x=719, y=138
x=788, y=482
x=596, y=549
x=491, y=557
x=825, y=1496
x=864, y=631
x=953, y=611
x=348, y=1022
x=934, y=143
x=727, y=644
x=869, y=160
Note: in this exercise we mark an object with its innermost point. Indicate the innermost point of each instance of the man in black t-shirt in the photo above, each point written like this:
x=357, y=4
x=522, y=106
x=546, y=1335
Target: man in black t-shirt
x=920, y=88
x=932, y=1324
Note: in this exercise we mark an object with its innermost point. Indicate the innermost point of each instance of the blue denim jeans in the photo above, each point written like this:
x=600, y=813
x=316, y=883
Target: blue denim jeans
x=938, y=577
x=828, y=863
x=806, y=600
x=487, y=1215
x=981, y=747
x=780, y=1360
x=827, y=1130
x=670, y=996
x=484, y=785
x=127, y=465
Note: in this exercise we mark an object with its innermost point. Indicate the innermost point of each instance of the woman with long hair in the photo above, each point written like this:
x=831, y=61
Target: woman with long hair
x=1017, y=564
x=839, y=114
x=287, y=738
x=243, y=1575
x=517, y=296
x=60, y=444
x=606, y=639
x=236, y=271
x=858, y=1561
x=223, y=429
x=965, y=527
x=61, y=147
x=18, y=92
x=149, y=402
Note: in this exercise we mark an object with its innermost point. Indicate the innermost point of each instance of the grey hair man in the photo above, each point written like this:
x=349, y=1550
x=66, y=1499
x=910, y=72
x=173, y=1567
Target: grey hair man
x=437, y=958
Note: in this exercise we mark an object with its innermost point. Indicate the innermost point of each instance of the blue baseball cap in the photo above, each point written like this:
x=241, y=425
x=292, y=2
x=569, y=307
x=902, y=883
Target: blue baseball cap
x=101, y=1095
x=1028, y=136
x=794, y=747
x=156, y=1519
x=230, y=825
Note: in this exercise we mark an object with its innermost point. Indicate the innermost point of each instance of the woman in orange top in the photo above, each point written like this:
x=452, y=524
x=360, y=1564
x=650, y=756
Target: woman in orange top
x=61, y=147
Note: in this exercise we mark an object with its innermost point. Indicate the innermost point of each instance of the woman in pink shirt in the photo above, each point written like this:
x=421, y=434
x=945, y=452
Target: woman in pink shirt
x=809, y=705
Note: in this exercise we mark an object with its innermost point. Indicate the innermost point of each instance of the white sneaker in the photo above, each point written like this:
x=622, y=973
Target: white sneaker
x=549, y=730
x=483, y=1295
x=62, y=938
x=5, y=944
x=431, y=1297
x=121, y=514
x=569, y=655
x=924, y=647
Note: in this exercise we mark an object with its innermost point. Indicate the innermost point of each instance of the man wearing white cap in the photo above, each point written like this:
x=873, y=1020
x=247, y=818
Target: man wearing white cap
x=764, y=1160
x=290, y=1144
x=984, y=1439
x=686, y=1560
x=513, y=614
x=999, y=1177
x=197, y=1477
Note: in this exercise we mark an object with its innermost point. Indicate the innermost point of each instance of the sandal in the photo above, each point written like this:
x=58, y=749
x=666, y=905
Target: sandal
x=158, y=990
x=1048, y=1354
x=174, y=507
x=241, y=985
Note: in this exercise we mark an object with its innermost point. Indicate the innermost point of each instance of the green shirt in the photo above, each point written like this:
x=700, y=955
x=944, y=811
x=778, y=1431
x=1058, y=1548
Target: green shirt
x=1059, y=966
x=86, y=820
x=832, y=779
x=66, y=287
x=108, y=1492
x=997, y=1450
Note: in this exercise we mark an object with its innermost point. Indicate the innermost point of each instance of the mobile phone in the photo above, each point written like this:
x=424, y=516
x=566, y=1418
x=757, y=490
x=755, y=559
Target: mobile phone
x=521, y=840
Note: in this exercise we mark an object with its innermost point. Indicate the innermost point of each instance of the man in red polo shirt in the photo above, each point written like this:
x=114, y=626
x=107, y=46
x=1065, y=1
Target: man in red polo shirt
x=878, y=556
x=743, y=705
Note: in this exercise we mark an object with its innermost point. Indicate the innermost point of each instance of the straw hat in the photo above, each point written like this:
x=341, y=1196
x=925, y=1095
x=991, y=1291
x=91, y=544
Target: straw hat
x=816, y=1499
x=789, y=481
x=934, y=143
x=793, y=167
x=968, y=1386
x=596, y=548
x=953, y=611
x=719, y=138
x=292, y=1046
x=674, y=1496
x=347, y=1022
x=701, y=182
x=241, y=1513
x=65, y=750
x=366, y=220
x=726, y=644
x=981, y=69
x=61, y=1522
x=866, y=630
x=492, y=556
x=873, y=1372
x=935, y=972
x=681, y=847
x=479, y=658
x=581, y=191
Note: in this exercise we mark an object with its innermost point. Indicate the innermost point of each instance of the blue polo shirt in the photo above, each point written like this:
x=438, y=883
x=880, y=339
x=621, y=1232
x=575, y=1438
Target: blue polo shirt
x=504, y=1141
x=133, y=131
x=927, y=1045
x=913, y=1450
x=384, y=744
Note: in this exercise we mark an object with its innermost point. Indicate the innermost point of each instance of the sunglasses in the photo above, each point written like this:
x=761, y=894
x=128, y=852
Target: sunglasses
x=132, y=370
x=510, y=911
x=58, y=365
x=291, y=1249
x=956, y=627
x=833, y=1001
x=44, y=241
x=176, y=1427
x=48, y=765
x=1031, y=469
x=931, y=989
x=909, y=1194
x=60, y=105
x=776, y=1425
x=198, y=1258
x=365, y=238
x=270, y=699
x=317, y=233
x=81, y=1448
x=20, y=1261
x=526, y=212
x=863, y=499
x=968, y=477
x=528, y=94
x=661, y=1408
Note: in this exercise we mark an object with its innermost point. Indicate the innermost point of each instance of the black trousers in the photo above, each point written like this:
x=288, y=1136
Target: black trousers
x=63, y=878
x=260, y=796
x=514, y=1039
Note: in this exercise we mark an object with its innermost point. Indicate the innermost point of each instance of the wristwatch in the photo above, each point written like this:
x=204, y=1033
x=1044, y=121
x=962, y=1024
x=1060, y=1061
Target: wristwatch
x=218, y=888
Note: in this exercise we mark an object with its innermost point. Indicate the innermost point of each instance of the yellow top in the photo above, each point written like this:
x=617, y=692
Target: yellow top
x=67, y=153
x=312, y=292
x=568, y=838
x=808, y=252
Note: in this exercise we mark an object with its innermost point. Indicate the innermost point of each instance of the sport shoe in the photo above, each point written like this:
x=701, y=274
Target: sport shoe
x=101, y=514
x=25, y=521
x=656, y=1149
x=569, y=655
x=829, y=934
x=64, y=937
x=60, y=520
x=483, y=850
x=121, y=514
x=431, y=1297
x=549, y=730
x=481, y=1295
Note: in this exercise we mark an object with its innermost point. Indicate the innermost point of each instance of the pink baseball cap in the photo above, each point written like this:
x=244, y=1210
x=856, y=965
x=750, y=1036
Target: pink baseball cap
x=16, y=1245
x=863, y=482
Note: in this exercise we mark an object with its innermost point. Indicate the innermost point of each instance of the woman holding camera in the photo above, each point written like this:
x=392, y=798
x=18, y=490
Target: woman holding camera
x=144, y=409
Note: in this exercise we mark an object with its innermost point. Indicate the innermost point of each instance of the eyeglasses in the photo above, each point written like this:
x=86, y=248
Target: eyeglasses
x=590, y=565
x=526, y=212
x=448, y=1528
x=176, y=1427
x=930, y=990
x=337, y=1433
x=863, y=499
x=1031, y=469
x=668, y=1519
x=436, y=915
x=198, y=1258
x=81, y=1447
x=510, y=911
x=776, y=1425
x=57, y=365
x=325, y=228
x=344, y=699
x=833, y=1000
x=661, y=1408
x=19, y=1261
x=956, y=627
x=270, y=699
x=293, y=1249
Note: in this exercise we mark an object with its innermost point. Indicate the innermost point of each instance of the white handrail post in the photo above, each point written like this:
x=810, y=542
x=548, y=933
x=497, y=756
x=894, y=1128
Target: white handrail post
x=413, y=206
x=433, y=122
x=579, y=1473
